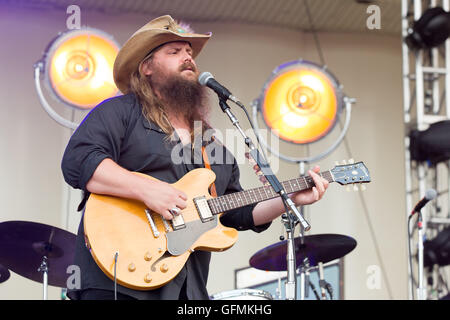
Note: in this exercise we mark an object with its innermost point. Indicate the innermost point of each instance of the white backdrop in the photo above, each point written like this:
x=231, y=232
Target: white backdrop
x=241, y=57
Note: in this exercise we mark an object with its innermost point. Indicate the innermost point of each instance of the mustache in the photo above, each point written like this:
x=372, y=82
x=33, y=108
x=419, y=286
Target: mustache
x=188, y=66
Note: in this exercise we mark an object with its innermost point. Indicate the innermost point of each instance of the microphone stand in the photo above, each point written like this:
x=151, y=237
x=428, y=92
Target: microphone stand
x=421, y=290
x=289, y=205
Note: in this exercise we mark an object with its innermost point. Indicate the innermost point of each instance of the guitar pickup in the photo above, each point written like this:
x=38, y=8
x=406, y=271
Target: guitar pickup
x=178, y=222
x=201, y=203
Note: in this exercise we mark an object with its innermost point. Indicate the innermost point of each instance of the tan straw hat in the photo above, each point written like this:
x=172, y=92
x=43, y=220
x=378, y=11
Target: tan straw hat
x=155, y=33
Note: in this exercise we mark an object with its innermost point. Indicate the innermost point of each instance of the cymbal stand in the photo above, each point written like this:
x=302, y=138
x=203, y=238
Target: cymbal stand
x=322, y=282
x=44, y=269
x=304, y=276
x=324, y=285
x=291, y=279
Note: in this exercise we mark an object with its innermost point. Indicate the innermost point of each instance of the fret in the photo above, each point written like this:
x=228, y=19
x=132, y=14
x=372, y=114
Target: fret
x=258, y=194
x=225, y=203
x=222, y=209
x=250, y=193
x=235, y=201
x=306, y=182
x=231, y=201
x=238, y=199
x=261, y=197
x=266, y=189
x=293, y=188
x=219, y=209
x=290, y=184
x=212, y=205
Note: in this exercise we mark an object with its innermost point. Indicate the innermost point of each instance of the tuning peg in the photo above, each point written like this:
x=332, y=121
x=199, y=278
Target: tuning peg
x=337, y=163
x=348, y=188
x=344, y=162
x=351, y=161
x=355, y=187
x=363, y=187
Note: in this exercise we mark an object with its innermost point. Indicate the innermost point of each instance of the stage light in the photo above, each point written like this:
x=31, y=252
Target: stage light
x=431, y=30
x=78, y=69
x=301, y=102
x=79, y=66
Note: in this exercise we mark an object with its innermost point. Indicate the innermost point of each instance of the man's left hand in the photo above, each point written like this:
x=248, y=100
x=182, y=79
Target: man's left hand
x=311, y=195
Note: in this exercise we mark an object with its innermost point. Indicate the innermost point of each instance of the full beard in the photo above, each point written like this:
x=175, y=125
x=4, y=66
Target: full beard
x=184, y=98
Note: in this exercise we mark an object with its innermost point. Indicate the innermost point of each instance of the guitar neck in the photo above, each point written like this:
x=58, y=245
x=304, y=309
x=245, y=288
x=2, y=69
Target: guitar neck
x=240, y=199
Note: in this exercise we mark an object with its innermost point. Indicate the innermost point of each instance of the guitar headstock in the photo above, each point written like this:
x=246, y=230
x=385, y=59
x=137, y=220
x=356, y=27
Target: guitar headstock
x=351, y=173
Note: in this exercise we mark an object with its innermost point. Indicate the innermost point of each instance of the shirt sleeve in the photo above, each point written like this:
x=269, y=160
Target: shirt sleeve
x=98, y=137
x=242, y=218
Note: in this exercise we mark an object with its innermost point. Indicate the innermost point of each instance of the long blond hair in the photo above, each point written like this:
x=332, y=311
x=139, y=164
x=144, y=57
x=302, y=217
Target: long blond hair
x=152, y=106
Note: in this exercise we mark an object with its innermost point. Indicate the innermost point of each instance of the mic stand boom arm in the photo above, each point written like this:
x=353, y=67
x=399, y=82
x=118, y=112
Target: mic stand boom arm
x=265, y=168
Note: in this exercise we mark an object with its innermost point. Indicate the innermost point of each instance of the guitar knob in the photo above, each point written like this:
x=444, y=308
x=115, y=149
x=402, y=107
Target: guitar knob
x=131, y=267
x=147, y=256
x=164, y=268
x=355, y=187
x=363, y=187
x=351, y=161
x=148, y=278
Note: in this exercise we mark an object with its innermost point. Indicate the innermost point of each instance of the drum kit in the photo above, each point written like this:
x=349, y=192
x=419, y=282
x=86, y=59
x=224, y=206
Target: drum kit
x=43, y=253
x=312, y=252
x=36, y=251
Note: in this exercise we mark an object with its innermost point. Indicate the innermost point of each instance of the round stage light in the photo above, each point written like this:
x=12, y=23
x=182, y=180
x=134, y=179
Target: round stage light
x=79, y=67
x=301, y=102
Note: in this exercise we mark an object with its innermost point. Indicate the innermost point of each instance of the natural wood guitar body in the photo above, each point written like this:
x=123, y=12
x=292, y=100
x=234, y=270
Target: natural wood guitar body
x=113, y=224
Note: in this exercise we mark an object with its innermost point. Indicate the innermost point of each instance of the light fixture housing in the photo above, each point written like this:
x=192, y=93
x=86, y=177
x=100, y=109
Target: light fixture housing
x=301, y=101
x=431, y=30
x=79, y=67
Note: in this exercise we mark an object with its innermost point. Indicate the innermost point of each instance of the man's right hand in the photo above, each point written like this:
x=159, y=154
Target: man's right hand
x=161, y=197
x=111, y=179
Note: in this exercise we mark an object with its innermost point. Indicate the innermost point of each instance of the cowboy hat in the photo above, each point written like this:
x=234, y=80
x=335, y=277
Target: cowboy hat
x=152, y=35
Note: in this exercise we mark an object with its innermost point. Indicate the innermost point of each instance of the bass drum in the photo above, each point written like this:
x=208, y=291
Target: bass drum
x=242, y=294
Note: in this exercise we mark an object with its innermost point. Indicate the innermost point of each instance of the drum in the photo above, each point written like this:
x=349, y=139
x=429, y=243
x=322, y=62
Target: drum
x=242, y=294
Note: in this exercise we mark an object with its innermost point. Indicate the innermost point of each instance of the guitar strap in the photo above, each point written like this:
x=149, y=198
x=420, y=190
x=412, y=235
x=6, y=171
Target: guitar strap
x=208, y=166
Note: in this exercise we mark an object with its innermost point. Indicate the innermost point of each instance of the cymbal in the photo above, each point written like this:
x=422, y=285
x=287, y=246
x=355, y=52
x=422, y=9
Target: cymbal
x=318, y=248
x=24, y=244
x=4, y=274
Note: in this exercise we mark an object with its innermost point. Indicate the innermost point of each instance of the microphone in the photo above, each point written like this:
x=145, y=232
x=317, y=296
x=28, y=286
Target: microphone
x=207, y=79
x=429, y=195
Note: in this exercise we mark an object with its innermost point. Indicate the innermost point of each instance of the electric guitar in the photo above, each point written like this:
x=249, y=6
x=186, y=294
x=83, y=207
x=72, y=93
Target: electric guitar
x=143, y=251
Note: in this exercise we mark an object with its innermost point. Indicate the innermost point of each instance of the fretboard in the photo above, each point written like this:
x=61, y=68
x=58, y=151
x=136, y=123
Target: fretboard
x=240, y=199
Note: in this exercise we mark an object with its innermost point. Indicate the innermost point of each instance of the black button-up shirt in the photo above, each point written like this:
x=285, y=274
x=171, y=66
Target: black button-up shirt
x=116, y=129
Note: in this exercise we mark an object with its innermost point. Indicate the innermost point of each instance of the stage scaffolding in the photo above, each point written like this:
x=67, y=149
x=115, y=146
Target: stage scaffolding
x=426, y=99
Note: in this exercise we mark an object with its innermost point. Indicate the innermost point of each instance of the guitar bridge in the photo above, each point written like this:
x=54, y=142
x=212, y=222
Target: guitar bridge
x=201, y=203
x=151, y=223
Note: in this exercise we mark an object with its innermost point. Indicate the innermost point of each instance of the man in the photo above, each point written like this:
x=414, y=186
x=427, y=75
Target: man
x=157, y=73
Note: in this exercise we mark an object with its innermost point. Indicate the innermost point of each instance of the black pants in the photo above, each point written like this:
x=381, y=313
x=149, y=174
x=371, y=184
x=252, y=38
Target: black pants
x=98, y=294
